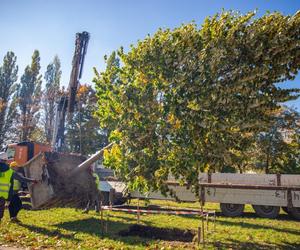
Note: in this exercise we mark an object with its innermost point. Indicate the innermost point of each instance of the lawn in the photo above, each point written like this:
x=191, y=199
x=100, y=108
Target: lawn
x=63, y=228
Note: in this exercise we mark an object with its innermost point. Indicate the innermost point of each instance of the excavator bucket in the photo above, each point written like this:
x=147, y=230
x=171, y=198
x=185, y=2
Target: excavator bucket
x=60, y=185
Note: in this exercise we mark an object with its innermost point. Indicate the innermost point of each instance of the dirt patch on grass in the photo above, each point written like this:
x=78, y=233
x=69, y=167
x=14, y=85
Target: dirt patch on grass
x=168, y=234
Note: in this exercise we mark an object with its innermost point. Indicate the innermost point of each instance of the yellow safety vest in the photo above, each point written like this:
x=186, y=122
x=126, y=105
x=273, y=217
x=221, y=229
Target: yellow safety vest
x=5, y=178
x=97, y=181
x=17, y=185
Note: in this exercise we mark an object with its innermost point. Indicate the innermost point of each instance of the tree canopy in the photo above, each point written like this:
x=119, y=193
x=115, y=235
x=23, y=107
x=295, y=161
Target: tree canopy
x=8, y=100
x=51, y=95
x=29, y=97
x=193, y=98
x=83, y=134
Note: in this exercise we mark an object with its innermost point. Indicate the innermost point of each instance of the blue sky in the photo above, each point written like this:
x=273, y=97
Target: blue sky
x=50, y=26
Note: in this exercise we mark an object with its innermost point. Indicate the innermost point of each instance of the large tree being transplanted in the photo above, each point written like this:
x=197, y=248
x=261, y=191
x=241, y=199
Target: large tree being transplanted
x=189, y=99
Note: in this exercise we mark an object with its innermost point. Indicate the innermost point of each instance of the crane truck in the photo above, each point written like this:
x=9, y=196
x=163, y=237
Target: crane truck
x=22, y=152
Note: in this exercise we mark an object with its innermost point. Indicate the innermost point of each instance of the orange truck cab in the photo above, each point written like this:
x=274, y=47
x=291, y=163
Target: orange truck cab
x=24, y=151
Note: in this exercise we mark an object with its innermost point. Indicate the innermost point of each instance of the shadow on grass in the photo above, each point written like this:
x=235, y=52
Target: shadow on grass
x=133, y=220
x=247, y=225
x=125, y=218
x=220, y=219
x=235, y=244
x=52, y=233
x=282, y=217
x=93, y=227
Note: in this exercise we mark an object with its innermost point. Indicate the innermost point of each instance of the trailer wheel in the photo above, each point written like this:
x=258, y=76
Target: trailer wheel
x=270, y=212
x=285, y=209
x=118, y=200
x=105, y=198
x=232, y=210
x=295, y=212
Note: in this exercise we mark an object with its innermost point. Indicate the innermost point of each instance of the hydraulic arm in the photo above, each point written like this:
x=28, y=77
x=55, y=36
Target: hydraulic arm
x=66, y=103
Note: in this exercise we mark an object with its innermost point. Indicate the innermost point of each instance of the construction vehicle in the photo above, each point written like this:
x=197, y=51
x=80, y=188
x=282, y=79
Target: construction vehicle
x=24, y=151
x=66, y=104
x=59, y=185
x=37, y=154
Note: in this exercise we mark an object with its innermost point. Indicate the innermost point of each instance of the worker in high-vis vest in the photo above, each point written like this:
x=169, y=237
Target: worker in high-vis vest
x=5, y=178
x=97, y=180
x=9, y=186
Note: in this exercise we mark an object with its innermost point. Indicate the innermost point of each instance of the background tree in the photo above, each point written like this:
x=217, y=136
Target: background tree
x=83, y=134
x=277, y=146
x=50, y=96
x=185, y=100
x=291, y=159
x=109, y=92
x=8, y=101
x=29, y=97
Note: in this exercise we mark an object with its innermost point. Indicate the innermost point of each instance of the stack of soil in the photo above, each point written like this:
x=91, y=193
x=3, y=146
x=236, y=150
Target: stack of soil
x=59, y=186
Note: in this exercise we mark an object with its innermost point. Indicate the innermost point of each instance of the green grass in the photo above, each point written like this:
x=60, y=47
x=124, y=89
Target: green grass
x=64, y=228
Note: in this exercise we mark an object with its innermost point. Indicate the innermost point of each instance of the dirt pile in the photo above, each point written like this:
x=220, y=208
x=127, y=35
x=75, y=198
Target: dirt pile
x=59, y=186
x=168, y=234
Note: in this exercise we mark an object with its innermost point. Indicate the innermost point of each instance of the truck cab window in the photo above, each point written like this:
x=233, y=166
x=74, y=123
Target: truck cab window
x=10, y=153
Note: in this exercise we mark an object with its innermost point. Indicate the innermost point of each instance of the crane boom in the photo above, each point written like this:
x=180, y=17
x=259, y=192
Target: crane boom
x=81, y=44
x=67, y=101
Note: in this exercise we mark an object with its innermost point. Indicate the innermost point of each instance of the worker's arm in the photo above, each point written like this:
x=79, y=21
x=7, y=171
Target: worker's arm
x=22, y=178
x=3, y=167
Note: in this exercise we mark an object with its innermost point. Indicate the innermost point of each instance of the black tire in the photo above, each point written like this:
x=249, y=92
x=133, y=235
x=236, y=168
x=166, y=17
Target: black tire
x=270, y=212
x=232, y=210
x=285, y=209
x=120, y=199
x=105, y=198
x=295, y=213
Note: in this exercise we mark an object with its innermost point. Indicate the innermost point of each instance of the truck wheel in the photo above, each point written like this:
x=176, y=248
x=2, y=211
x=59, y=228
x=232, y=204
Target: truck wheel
x=232, y=210
x=266, y=211
x=105, y=198
x=120, y=199
x=295, y=212
x=285, y=209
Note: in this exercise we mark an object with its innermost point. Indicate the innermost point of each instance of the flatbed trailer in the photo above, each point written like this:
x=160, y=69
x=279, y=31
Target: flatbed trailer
x=267, y=193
